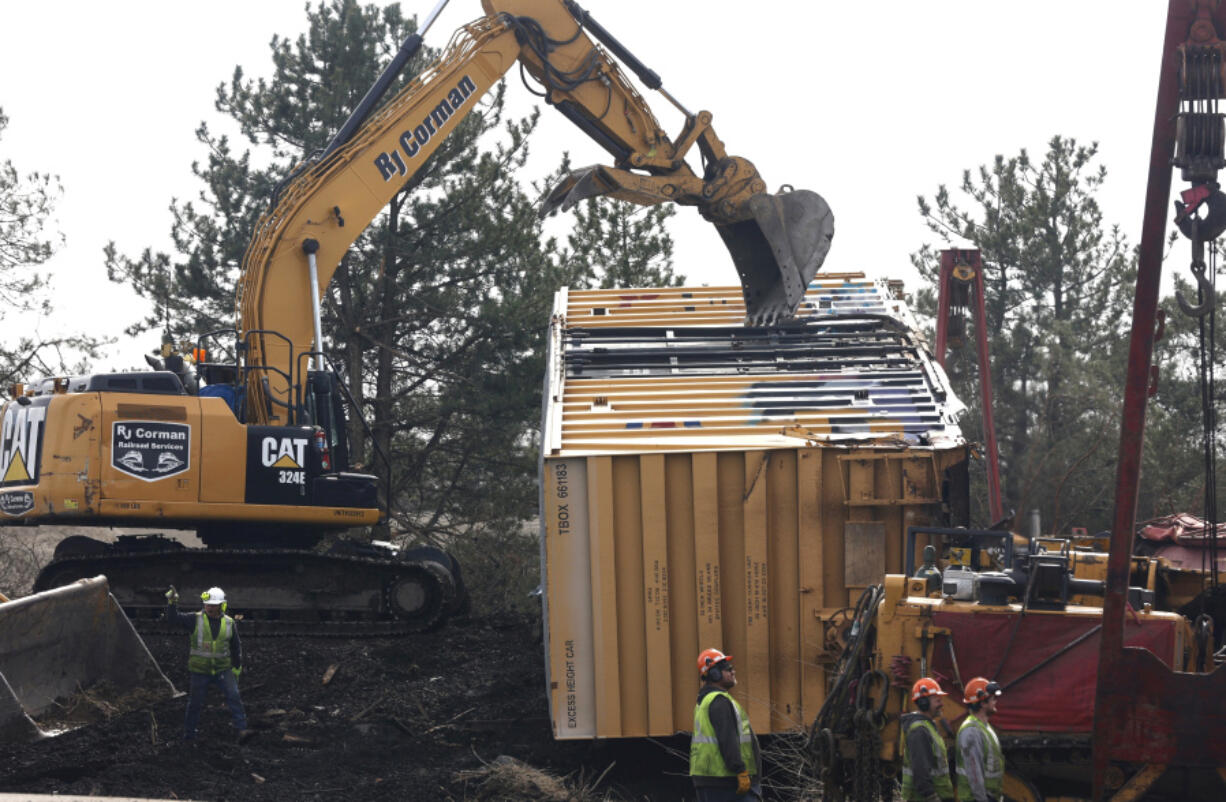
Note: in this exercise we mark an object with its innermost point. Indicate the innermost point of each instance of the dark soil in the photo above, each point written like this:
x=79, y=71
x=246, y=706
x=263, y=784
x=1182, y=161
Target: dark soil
x=423, y=717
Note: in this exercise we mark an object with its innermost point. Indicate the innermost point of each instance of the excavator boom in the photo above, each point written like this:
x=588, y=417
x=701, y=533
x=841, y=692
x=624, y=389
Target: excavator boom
x=777, y=242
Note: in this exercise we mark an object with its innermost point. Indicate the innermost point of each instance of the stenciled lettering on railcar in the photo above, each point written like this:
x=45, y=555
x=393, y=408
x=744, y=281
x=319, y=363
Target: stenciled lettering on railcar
x=572, y=696
x=561, y=490
x=412, y=140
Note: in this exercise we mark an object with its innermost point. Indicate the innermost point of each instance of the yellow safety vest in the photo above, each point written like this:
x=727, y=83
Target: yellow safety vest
x=705, y=758
x=940, y=773
x=210, y=655
x=993, y=762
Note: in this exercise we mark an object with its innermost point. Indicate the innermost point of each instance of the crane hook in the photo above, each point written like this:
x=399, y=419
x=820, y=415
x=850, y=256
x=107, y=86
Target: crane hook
x=1206, y=292
x=1200, y=230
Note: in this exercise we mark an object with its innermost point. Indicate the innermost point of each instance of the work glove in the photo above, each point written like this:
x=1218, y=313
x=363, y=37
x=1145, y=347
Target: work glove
x=172, y=595
x=742, y=783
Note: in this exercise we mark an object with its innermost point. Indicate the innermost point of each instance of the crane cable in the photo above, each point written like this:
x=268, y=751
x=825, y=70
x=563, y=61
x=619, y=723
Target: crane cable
x=1207, y=354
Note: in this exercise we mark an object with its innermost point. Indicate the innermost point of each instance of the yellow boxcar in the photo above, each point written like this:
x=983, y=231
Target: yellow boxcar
x=707, y=484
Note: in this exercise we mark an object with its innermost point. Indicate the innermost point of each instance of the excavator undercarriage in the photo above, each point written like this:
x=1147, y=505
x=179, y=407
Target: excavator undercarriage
x=350, y=589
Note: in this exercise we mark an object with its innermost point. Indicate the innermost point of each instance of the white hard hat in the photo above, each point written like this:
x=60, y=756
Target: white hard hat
x=213, y=596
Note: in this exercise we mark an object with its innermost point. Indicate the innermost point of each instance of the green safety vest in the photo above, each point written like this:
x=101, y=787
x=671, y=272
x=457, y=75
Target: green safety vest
x=993, y=765
x=940, y=774
x=210, y=655
x=705, y=759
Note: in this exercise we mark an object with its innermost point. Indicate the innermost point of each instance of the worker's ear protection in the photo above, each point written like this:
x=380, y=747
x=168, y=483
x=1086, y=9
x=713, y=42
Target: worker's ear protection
x=923, y=703
x=716, y=672
x=204, y=597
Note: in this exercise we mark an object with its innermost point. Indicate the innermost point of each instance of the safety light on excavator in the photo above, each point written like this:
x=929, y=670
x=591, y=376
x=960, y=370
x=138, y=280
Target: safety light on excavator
x=321, y=445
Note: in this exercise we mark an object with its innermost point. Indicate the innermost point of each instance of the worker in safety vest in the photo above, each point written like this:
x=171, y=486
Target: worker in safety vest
x=981, y=763
x=215, y=657
x=925, y=763
x=725, y=762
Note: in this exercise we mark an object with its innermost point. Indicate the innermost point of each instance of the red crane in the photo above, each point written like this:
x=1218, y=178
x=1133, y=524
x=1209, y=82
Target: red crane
x=1144, y=712
x=961, y=283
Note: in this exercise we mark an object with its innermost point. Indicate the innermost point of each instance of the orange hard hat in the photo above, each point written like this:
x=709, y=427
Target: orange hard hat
x=978, y=690
x=925, y=687
x=709, y=658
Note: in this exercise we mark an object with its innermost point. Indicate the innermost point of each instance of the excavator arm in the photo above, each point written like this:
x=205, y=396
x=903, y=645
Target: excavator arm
x=777, y=242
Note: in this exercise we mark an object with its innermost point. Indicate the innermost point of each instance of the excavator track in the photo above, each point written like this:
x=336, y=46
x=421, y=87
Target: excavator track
x=353, y=590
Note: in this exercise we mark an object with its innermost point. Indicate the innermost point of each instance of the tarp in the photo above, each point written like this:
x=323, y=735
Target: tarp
x=1189, y=559
x=1183, y=528
x=1059, y=697
x=1183, y=540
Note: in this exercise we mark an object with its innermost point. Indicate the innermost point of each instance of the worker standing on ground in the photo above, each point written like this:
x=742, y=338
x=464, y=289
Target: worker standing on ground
x=725, y=761
x=925, y=762
x=215, y=658
x=981, y=763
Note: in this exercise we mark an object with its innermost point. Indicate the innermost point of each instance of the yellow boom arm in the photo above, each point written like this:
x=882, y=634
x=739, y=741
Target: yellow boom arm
x=777, y=241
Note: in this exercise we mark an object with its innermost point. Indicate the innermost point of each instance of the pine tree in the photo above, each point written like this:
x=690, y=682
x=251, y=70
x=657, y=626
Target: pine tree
x=619, y=244
x=614, y=243
x=1058, y=285
x=27, y=202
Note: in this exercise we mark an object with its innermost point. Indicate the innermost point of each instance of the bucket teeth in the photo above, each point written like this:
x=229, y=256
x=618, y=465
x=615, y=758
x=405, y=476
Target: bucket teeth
x=778, y=251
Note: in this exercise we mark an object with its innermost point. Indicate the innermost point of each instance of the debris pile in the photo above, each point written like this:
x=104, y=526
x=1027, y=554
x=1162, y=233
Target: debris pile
x=456, y=714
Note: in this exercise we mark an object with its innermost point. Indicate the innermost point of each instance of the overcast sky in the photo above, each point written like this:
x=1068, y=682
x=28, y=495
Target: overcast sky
x=869, y=104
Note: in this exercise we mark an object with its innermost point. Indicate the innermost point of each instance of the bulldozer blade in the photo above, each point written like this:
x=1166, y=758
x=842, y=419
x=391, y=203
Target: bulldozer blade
x=68, y=641
x=778, y=251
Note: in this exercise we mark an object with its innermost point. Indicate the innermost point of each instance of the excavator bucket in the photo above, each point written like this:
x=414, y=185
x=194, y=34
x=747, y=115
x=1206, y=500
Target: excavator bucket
x=778, y=251
x=69, y=656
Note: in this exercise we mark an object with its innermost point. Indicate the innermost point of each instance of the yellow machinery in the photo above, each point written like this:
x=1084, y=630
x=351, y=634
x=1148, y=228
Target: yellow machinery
x=70, y=644
x=708, y=483
x=1017, y=620
x=252, y=454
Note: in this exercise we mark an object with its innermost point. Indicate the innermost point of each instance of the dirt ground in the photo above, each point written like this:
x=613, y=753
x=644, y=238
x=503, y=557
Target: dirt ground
x=456, y=714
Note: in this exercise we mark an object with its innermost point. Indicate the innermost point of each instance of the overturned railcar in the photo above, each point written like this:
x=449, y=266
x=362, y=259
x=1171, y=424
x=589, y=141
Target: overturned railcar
x=704, y=483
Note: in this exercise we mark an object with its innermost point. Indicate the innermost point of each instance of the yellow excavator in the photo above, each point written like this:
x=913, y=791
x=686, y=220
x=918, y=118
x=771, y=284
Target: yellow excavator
x=251, y=453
